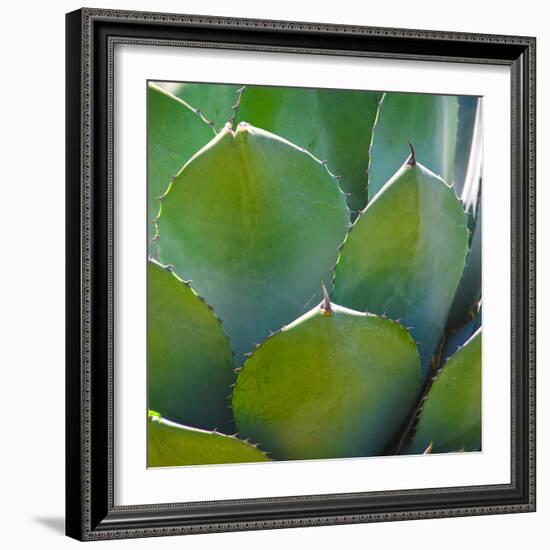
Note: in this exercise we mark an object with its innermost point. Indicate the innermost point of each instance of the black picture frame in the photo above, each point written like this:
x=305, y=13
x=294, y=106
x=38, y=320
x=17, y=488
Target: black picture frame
x=90, y=510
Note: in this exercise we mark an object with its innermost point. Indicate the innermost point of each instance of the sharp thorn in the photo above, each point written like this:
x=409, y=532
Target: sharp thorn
x=327, y=306
x=411, y=161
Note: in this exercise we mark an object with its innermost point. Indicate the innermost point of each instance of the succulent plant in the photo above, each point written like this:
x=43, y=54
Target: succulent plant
x=175, y=132
x=172, y=444
x=190, y=361
x=450, y=419
x=427, y=121
x=294, y=114
x=216, y=100
x=334, y=383
x=261, y=199
x=468, y=293
x=405, y=255
x=255, y=223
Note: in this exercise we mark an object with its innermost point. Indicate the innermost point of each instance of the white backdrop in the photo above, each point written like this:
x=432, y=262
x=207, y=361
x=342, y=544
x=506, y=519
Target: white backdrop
x=32, y=122
x=136, y=485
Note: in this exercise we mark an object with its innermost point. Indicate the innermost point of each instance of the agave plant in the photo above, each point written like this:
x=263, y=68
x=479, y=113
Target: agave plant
x=314, y=281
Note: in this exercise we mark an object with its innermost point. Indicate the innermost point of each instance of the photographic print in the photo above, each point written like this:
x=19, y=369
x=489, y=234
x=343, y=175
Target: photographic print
x=314, y=273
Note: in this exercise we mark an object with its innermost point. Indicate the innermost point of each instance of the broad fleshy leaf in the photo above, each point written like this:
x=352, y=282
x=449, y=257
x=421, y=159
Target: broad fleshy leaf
x=255, y=222
x=405, y=254
x=214, y=101
x=466, y=122
x=451, y=417
x=468, y=293
x=189, y=362
x=175, y=133
x=333, y=125
x=428, y=121
x=172, y=444
x=334, y=383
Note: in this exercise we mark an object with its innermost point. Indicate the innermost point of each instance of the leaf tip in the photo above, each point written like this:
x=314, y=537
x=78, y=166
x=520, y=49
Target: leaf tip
x=326, y=306
x=411, y=161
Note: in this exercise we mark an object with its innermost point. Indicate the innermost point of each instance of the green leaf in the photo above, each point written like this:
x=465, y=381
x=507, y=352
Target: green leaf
x=171, y=444
x=451, y=416
x=405, y=254
x=466, y=122
x=175, y=132
x=335, y=383
x=255, y=222
x=428, y=121
x=471, y=191
x=189, y=361
x=214, y=101
x=468, y=293
x=334, y=125
x=456, y=338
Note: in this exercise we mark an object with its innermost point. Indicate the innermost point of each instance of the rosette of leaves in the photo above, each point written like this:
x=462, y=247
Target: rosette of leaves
x=265, y=201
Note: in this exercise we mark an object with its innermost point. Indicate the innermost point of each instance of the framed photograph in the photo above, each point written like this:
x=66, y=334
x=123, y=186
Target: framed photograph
x=300, y=274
